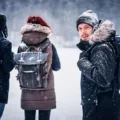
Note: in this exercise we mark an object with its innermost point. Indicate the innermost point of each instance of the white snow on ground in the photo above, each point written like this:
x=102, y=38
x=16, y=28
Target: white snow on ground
x=67, y=86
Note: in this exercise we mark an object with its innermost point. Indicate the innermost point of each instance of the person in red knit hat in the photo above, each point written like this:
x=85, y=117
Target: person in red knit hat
x=35, y=33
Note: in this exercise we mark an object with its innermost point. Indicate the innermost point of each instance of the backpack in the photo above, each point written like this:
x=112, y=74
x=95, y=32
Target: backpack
x=116, y=46
x=31, y=65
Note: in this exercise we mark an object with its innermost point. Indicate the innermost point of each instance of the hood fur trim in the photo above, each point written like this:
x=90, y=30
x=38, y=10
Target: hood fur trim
x=105, y=30
x=35, y=27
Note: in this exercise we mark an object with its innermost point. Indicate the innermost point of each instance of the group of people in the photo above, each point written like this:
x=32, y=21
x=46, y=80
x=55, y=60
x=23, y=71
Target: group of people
x=100, y=97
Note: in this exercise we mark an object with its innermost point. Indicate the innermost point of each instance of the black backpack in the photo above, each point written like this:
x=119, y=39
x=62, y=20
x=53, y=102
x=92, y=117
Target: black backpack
x=116, y=45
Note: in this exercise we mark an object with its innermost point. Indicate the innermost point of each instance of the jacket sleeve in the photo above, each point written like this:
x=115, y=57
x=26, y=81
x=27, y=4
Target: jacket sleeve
x=49, y=58
x=55, y=60
x=100, y=69
x=8, y=62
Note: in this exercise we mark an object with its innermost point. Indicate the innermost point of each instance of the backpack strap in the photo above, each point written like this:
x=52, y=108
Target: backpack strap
x=33, y=49
x=43, y=46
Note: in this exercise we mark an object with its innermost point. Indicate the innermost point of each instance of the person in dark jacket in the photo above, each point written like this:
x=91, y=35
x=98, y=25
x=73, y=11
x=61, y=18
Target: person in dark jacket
x=6, y=63
x=35, y=33
x=97, y=66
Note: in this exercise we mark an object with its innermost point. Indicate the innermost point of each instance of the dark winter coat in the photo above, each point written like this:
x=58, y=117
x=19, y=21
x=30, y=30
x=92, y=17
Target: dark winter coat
x=40, y=99
x=6, y=65
x=97, y=64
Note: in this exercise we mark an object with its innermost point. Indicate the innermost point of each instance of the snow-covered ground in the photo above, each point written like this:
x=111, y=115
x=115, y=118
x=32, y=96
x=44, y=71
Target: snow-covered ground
x=67, y=86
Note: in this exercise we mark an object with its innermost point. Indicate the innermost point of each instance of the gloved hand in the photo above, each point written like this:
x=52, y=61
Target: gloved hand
x=83, y=58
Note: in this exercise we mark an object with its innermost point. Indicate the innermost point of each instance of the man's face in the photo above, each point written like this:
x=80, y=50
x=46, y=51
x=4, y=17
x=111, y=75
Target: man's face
x=85, y=31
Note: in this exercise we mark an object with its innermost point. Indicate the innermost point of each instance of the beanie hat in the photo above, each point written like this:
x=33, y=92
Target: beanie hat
x=88, y=17
x=36, y=23
x=3, y=26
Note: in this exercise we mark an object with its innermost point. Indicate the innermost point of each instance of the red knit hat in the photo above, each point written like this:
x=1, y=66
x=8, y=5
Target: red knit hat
x=36, y=23
x=37, y=20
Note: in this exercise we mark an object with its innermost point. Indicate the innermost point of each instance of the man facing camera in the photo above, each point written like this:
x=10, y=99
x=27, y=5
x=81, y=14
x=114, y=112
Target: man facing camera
x=97, y=66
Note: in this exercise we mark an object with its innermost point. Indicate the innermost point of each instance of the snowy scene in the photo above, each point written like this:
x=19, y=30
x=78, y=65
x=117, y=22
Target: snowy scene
x=79, y=81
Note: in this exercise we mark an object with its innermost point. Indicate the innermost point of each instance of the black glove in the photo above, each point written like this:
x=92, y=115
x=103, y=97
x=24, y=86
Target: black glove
x=84, y=56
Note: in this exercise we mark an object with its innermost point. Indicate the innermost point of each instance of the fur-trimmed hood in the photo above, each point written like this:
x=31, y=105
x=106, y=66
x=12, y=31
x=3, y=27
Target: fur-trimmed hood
x=29, y=27
x=34, y=38
x=105, y=30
